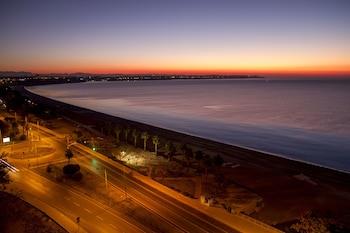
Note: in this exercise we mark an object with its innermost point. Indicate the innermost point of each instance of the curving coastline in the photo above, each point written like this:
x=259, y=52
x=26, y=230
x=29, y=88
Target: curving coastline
x=238, y=154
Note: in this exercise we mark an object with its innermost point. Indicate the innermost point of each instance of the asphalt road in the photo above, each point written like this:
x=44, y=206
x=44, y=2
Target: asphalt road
x=180, y=216
x=183, y=217
x=94, y=217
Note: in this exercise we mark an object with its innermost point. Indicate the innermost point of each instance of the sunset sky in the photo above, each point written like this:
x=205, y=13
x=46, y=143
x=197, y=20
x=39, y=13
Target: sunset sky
x=178, y=36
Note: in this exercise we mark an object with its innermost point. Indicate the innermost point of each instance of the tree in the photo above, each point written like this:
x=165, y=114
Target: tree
x=311, y=223
x=155, y=140
x=199, y=157
x=135, y=134
x=14, y=128
x=218, y=160
x=145, y=137
x=69, y=154
x=4, y=127
x=117, y=131
x=208, y=163
x=188, y=155
x=126, y=133
x=170, y=150
x=108, y=126
x=183, y=148
x=4, y=178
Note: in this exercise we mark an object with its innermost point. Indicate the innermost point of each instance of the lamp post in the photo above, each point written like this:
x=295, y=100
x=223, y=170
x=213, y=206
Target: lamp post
x=78, y=221
x=106, y=181
x=124, y=173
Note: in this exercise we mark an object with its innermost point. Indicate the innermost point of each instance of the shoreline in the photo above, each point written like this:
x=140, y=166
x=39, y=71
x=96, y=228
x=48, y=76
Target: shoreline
x=236, y=152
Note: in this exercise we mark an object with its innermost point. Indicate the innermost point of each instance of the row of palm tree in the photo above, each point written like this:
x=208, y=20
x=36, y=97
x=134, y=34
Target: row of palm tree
x=136, y=135
x=169, y=147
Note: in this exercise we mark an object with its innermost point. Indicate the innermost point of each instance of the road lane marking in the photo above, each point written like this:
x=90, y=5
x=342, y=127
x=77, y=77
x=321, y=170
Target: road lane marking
x=92, y=202
x=77, y=204
x=87, y=210
x=99, y=218
x=113, y=226
x=67, y=198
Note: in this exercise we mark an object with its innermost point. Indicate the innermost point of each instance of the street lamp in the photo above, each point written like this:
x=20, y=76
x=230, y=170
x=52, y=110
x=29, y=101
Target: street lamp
x=123, y=153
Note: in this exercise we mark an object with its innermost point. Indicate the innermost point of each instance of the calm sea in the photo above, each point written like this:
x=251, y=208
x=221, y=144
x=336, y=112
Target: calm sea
x=307, y=120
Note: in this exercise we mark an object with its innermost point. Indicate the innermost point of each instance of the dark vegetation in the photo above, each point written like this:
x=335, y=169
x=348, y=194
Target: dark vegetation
x=17, y=216
x=71, y=169
x=4, y=177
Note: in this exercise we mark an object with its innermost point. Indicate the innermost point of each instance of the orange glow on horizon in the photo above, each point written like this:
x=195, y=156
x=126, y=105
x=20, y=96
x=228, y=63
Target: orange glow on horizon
x=303, y=71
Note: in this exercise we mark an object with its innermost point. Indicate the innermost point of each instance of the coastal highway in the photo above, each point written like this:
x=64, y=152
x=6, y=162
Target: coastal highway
x=94, y=217
x=181, y=216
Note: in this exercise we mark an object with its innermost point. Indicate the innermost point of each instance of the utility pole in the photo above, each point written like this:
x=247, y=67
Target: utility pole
x=78, y=221
x=126, y=195
x=106, y=180
x=37, y=126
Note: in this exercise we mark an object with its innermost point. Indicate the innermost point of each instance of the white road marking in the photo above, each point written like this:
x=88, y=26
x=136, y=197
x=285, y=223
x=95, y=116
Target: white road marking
x=99, y=218
x=77, y=204
x=113, y=226
x=67, y=198
x=87, y=210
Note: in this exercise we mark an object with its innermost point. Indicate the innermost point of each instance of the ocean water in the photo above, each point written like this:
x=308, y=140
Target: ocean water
x=306, y=120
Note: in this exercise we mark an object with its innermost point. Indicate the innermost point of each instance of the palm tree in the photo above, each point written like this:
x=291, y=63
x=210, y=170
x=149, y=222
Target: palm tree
x=167, y=148
x=218, y=160
x=188, y=155
x=208, y=162
x=14, y=128
x=117, y=131
x=183, y=148
x=126, y=133
x=135, y=134
x=69, y=154
x=155, y=140
x=145, y=137
x=199, y=157
x=172, y=151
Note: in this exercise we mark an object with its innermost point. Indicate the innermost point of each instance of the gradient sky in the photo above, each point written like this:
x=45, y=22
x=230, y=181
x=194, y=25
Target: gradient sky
x=161, y=36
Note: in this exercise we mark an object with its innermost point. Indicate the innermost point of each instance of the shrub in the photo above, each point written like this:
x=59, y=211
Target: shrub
x=71, y=169
x=77, y=176
x=22, y=137
x=49, y=168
